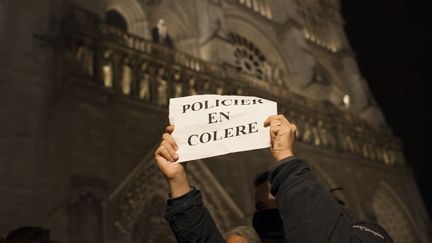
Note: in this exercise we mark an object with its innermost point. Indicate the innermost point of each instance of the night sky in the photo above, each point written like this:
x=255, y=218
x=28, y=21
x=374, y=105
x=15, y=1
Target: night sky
x=392, y=41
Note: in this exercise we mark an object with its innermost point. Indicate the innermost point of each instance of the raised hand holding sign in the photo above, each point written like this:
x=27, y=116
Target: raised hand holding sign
x=211, y=125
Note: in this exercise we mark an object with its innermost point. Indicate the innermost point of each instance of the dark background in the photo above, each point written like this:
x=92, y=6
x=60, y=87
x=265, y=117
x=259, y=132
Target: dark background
x=392, y=41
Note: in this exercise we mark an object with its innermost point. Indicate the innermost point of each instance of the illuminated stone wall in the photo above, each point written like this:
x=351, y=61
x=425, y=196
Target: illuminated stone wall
x=24, y=92
x=83, y=105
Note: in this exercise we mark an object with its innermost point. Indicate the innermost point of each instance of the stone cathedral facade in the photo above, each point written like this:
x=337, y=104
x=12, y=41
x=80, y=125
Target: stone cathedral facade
x=84, y=89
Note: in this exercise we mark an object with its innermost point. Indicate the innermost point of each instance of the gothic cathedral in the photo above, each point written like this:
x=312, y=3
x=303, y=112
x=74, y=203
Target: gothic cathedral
x=85, y=87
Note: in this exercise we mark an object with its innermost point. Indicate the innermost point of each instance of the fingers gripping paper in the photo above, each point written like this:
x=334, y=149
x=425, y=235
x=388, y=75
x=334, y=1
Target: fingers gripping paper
x=211, y=125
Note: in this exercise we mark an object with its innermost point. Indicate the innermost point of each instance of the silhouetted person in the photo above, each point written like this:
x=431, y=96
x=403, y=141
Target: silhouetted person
x=160, y=34
x=292, y=205
x=28, y=235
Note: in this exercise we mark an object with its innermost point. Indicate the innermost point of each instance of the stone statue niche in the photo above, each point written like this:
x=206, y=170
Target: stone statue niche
x=178, y=86
x=162, y=88
x=126, y=78
x=320, y=76
x=84, y=56
x=107, y=69
x=144, y=83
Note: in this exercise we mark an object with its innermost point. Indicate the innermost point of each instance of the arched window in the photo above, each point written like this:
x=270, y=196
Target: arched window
x=322, y=23
x=259, y=6
x=390, y=213
x=249, y=59
x=107, y=69
x=127, y=77
x=115, y=19
x=321, y=75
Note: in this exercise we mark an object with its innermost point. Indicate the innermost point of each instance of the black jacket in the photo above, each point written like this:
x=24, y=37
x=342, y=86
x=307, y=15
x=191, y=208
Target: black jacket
x=308, y=211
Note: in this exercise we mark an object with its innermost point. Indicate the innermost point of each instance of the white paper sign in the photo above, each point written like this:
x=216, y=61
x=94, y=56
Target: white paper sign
x=211, y=125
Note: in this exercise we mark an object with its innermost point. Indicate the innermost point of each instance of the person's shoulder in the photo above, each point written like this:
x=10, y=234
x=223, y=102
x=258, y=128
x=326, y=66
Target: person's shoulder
x=370, y=232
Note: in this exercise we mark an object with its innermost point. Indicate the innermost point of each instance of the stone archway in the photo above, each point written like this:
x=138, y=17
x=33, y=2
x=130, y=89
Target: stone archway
x=332, y=87
x=393, y=215
x=181, y=21
x=317, y=169
x=150, y=226
x=134, y=15
x=263, y=38
x=326, y=178
x=136, y=206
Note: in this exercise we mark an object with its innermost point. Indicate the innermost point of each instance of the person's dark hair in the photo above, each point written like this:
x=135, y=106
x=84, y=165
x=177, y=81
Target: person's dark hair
x=27, y=234
x=261, y=178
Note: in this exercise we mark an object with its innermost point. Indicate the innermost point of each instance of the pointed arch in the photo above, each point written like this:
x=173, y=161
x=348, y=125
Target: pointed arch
x=134, y=15
x=318, y=170
x=135, y=199
x=394, y=215
x=180, y=18
x=336, y=88
x=324, y=176
x=261, y=35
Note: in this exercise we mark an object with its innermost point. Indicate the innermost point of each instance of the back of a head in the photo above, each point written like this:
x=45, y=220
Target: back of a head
x=246, y=233
x=261, y=178
x=27, y=235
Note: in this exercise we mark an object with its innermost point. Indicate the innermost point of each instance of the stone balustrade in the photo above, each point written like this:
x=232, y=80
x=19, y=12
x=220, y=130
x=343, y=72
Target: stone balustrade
x=147, y=72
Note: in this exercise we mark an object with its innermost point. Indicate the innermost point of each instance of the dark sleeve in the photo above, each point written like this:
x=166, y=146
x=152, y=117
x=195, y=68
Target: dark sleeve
x=371, y=232
x=190, y=220
x=308, y=211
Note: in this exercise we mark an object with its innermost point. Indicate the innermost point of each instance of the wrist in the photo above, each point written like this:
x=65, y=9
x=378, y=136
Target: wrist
x=179, y=185
x=283, y=154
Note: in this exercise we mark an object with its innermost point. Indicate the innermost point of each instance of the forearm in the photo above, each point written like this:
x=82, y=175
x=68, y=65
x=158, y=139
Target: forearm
x=179, y=186
x=190, y=220
x=305, y=204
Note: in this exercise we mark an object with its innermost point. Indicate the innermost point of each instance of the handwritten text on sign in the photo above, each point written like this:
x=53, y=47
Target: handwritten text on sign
x=211, y=125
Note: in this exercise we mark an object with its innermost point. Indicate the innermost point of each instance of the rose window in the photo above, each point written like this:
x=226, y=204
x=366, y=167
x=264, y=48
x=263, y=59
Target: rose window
x=248, y=58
